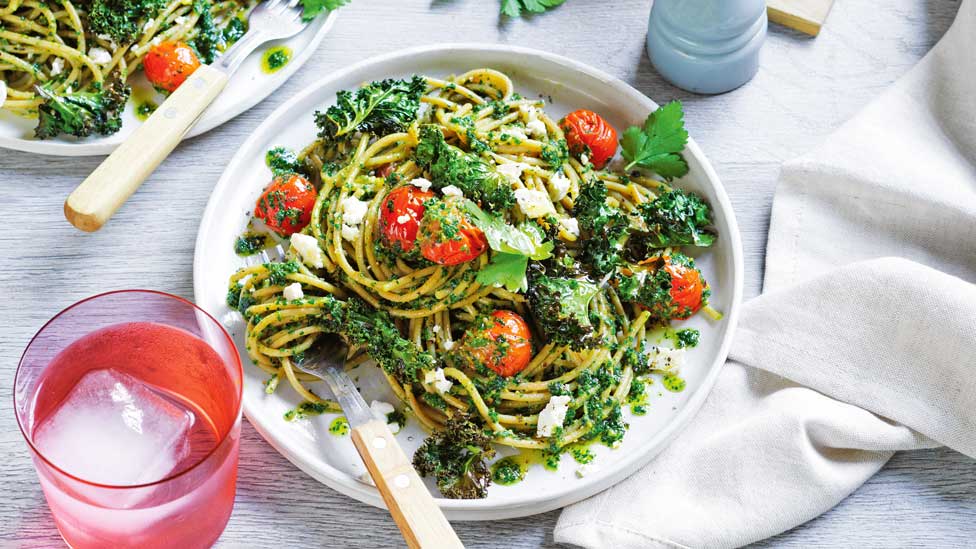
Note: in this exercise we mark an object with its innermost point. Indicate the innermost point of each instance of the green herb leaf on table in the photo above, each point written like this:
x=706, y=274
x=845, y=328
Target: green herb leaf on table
x=514, y=8
x=658, y=145
x=311, y=8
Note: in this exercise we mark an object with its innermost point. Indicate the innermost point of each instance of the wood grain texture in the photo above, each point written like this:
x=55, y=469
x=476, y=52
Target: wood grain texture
x=804, y=89
x=806, y=16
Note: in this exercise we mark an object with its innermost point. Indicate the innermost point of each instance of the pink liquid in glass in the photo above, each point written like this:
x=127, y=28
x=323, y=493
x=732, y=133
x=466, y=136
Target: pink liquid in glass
x=135, y=430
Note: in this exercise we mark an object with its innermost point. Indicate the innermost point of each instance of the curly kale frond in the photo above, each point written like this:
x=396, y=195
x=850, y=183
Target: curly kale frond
x=603, y=227
x=121, y=19
x=449, y=165
x=81, y=114
x=380, y=108
x=650, y=284
x=456, y=456
x=560, y=307
x=676, y=218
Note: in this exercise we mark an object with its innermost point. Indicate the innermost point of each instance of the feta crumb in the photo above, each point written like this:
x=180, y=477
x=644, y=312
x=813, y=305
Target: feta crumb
x=57, y=66
x=512, y=170
x=421, y=183
x=381, y=409
x=451, y=190
x=587, y=469
x=293, y=291
x=436, y=328
x=571, y=224
x=353, y=210
x=536, y=128
x=515, y=132
x=393, y=427
x=438, y=380
x=534, y=203
x=448, y=345
x=663, y=358
x=308, y=248
x=149, y=23
x=100, y=56
x=244, y=280
x=179, y=20
x=584, y=160
x=104, y=36
x=559, y=186
x=350, y=233
x=553, y=415
x=403, y=218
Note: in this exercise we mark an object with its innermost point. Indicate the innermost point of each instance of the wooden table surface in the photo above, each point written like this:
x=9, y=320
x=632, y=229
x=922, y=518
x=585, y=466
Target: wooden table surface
x=805, y=88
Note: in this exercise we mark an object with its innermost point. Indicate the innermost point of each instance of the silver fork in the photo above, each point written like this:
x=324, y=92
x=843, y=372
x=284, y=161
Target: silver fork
x=413, y=508
x=98, y=197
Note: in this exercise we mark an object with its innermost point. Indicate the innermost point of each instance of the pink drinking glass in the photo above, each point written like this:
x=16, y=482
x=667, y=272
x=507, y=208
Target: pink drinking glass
x=172, y=355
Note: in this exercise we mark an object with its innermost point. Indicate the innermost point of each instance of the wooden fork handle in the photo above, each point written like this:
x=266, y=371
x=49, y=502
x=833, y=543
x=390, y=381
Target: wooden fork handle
x=413, y=508
x=93, y=202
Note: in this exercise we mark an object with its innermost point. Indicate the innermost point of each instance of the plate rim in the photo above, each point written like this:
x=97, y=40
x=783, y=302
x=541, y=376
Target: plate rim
x=69, y=149
x=519, y=506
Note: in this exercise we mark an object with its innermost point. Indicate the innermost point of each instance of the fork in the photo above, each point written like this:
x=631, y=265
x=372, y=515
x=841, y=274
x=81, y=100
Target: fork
x=103, y=192
x=413, y=508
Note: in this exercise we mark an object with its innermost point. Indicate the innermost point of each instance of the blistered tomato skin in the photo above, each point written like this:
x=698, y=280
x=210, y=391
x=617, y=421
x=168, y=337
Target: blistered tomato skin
x=168, y=64
x=447, y=236
x=286, y=204
x=400, y=216
x=502, y=343
x=687, y=289
x=588, y=133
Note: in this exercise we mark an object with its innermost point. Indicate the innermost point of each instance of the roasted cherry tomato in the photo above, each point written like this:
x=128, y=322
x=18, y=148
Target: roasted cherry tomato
x=588, y=133
x=286, y=205
x=168, y=64
x=400, y=216
x=501, y=342
x=687, y=288
x=447, y=236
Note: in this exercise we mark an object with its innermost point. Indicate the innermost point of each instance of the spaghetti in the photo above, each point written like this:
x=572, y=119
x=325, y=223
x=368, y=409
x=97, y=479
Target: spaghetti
x=437, y=306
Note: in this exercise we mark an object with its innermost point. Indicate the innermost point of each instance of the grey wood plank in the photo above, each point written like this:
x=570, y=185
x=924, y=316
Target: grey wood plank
x=805, y=88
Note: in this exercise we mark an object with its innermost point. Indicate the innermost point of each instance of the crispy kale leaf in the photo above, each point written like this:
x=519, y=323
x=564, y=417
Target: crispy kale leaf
x=658, y=145
x=83, y=113
x=120, y=19
x=311, y=8
x=676, y=219
x=449, y=165
x=560, y=307
x=456, y=457
x=284, y=161
x=514, y=8
x=380, y=108
x=603, y=226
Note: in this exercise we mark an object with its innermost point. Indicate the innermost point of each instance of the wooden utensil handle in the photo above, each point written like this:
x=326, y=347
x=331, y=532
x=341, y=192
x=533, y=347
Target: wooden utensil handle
x=93, y=202
x=413, y=508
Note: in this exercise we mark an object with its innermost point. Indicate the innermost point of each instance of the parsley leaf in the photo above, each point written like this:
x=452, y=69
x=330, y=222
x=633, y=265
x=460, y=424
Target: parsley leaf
x=658, y=145
x=311, y=8
x=513, y=8
x=527, y=239
x=506, y=270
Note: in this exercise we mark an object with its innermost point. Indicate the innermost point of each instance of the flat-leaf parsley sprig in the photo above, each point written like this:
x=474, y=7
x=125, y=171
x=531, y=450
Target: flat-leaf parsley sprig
x=514, y=8
x=658, y=145
x=311, y=8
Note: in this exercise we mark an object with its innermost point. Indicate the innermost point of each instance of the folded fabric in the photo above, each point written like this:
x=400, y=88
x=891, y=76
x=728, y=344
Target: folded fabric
x=863, y=343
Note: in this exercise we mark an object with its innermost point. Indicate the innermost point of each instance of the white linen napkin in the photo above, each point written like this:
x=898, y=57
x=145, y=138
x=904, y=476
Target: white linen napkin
x=864, y=342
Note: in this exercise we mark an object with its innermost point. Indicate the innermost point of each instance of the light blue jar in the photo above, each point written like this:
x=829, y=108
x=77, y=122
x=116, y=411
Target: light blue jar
x=706, y=46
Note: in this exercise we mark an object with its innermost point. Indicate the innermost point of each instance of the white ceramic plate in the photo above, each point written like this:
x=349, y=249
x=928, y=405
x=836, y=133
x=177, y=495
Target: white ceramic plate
x=248, y=86
x=333, y=460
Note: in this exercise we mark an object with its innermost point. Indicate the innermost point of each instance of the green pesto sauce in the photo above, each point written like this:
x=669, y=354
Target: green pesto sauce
x=144, y=102
x=673, y=383
x=275, y=58
x=508, y=471
x=251, y=243
x=339, y=426
x=144, y=109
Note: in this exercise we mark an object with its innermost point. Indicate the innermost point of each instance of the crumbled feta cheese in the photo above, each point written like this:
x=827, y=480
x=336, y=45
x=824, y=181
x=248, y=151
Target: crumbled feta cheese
x=149, y=23
x=350, y=233
x=512, y=170
x=100, y=56
x=421, y=183
x=559, y=186
x=587, y=469
x=381, y=409
x=244, y=280
x=584, y=160
x=308, y=248
x=57, y=66
x=514, y=132
x=437, y=379
x=353, y=210
x=393, y=427
x=451, y=190
x=293, y=291
x=571, y=224
x=103, y=36
x=179, y=20
x=403, y=218
x=448, y=345
x=663, y=358
x=534, y=203
x=536, y=128
x=436, y=328
x=553, y=415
